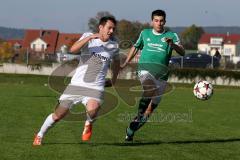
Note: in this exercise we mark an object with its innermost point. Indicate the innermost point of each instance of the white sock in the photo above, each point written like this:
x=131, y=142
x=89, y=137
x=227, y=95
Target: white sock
x=89, y=120
x=46, y=125
x=87, y=123
x=85, y=128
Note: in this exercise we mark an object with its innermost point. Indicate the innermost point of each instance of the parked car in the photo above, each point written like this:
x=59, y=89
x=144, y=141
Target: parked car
x=195, y=60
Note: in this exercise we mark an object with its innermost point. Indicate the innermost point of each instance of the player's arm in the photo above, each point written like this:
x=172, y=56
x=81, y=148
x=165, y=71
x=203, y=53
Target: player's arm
x=176, y=46
x=82, y=42
x=115, y=70
x=133, y=51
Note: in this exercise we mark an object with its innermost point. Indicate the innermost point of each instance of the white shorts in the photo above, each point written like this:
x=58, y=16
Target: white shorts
x=68, y=101
x=159, y=84
x=73, y=95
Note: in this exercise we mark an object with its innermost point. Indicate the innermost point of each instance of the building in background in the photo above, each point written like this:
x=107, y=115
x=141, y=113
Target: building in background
x=45, y=44
x=16, y=43
x=65, y=41
x=228, y=45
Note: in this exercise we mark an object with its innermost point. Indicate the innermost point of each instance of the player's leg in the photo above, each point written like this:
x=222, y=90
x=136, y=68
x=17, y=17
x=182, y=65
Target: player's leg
x=156, y=91
x=151, y=107
x=156, y=99
x=61, y=110
x=149, y=90
x=92, y=108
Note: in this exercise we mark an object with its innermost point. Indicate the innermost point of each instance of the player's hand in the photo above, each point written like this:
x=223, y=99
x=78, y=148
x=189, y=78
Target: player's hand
x=122, y=66
x=169, y=41
x=108, y=83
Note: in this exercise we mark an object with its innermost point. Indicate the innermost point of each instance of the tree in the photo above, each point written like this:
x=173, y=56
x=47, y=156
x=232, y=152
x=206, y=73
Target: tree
x=1, y=41
x=93, y=22
x=128, y=32
x=6, y=51
x=190, y=36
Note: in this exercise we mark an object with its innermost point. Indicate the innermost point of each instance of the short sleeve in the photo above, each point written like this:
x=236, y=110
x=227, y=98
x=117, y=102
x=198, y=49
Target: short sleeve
x=176, y=39
x=116, y=55
x=84, y=49
x=85, y=35
x=139, y=43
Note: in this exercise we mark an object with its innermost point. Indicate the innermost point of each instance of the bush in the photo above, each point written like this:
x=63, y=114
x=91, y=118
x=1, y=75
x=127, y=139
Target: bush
x=190, y=73
x=238, y=65
x=230, y=65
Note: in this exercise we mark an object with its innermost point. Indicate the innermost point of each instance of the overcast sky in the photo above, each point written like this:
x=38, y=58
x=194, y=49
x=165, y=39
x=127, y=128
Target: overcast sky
x=73, y=15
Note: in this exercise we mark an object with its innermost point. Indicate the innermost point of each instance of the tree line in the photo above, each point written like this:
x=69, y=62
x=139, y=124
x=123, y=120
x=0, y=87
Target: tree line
x=128, y=31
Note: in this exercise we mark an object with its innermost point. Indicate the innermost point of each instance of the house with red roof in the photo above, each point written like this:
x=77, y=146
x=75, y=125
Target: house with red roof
x=228, y=45
x=45, y=43
x=65, y=40
x=41, y=42
x=16, y=43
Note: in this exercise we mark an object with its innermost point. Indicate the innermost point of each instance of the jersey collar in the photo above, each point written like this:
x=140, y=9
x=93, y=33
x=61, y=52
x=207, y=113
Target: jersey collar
x=156, y=33
x=103, y=42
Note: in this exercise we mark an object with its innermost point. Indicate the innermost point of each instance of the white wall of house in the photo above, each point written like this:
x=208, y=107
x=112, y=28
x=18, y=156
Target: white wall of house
x=38, y=45
x=209, y=49
x=64, y=49
x=229, y=50
x=236, y=59
x=203, y=48
x=226, y=50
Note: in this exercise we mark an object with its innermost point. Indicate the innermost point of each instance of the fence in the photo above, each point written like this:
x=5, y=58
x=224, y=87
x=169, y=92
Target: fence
x=198, y=60
x=128, y=73
x=30, y=69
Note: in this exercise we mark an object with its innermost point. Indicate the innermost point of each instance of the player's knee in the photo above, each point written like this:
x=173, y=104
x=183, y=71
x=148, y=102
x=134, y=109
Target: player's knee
x=150, y=91
x=93, y=108
x=58, y=116
x=156, y=100
x=55, y=117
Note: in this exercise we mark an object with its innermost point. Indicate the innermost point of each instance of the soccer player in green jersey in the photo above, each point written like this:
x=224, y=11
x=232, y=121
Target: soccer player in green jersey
x=156, y=45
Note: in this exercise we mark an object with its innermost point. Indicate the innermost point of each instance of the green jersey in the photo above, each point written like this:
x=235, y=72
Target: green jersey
x=155, y=52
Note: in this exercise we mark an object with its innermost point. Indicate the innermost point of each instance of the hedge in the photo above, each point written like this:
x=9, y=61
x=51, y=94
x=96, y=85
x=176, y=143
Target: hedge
x=191, y=73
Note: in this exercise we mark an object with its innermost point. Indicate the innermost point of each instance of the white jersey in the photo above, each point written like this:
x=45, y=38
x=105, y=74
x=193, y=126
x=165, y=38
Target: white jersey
x=94, y=62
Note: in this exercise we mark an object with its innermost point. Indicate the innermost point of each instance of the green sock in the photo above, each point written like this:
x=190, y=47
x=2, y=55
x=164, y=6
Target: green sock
x=143, y=104
x=139, y=120
x=137, y=123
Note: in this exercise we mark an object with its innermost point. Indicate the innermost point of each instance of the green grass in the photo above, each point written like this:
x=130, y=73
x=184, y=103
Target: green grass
x=186, y=129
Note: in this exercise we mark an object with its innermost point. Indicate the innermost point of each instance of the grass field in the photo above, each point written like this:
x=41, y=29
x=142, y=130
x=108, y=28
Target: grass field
x=182, y=128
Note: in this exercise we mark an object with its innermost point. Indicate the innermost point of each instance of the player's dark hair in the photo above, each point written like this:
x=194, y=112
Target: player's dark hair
x=159, y=13
x=104, y=20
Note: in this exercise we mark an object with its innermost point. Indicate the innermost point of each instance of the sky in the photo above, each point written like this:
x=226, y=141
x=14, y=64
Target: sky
x=71, y=16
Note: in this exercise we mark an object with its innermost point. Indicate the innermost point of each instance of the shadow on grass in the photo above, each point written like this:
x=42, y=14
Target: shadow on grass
x=38, y=96
x=145, y=143
x=142, y=143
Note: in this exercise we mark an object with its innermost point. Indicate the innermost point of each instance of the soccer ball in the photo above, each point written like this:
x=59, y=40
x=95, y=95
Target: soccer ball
x=203, y=90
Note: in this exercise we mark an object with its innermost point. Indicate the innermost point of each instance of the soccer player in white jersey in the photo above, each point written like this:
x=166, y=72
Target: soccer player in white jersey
x=87, y=84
